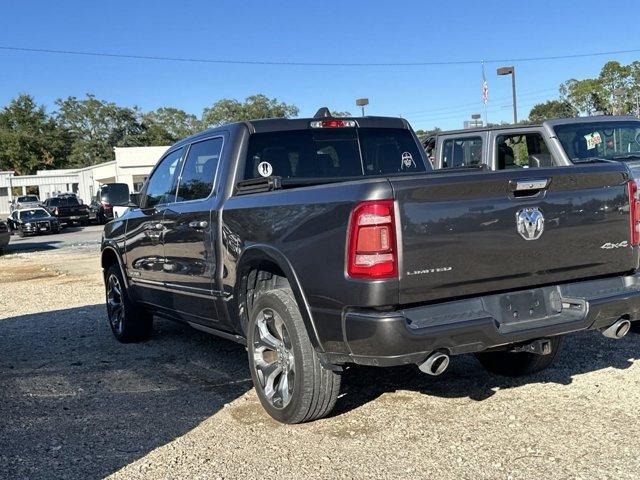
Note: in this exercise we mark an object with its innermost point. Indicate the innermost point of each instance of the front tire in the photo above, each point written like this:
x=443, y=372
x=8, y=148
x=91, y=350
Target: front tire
x=291, y=384
x=129, y=322
x=512, y=364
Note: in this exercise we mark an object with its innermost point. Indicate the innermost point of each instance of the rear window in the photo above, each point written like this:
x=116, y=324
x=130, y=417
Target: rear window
x=63, y=202
x=348, y=152
x=115, y=194
x=28, y=198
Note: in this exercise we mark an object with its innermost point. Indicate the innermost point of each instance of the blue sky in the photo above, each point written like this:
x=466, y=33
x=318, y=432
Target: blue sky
x=329, y=31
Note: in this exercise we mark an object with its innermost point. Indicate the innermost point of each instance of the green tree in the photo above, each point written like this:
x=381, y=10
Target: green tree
x=29, y=138
x=423, y=134
x=96, y=126
x=552, y=109
x=253, y=108
x=167, y=125
x=587, y=96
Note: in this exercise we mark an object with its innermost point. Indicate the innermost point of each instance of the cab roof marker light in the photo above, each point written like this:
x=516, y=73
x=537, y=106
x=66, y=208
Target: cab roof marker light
x=333, y=123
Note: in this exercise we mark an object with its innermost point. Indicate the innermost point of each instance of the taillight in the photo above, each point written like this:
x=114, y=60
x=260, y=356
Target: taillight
x=372, y=251
x=634, y=212
x=333, y=123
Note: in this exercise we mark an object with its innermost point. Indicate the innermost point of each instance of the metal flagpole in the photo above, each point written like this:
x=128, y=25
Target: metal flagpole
x=485, y=94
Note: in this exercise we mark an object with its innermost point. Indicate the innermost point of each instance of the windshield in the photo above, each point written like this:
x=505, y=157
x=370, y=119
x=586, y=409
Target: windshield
x=332, y=153
x=115, y=194
x=609, y=140
x=33, y=214
x=27, y=199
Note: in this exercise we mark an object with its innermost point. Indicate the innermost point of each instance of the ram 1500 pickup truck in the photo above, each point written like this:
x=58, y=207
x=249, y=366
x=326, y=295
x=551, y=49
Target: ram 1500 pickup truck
x=324, y=242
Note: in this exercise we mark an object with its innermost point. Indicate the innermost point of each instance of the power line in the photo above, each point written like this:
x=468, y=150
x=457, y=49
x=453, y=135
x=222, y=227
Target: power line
x=309, y=64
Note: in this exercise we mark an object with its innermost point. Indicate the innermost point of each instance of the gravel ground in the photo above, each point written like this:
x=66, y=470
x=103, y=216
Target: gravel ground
x=76, y=404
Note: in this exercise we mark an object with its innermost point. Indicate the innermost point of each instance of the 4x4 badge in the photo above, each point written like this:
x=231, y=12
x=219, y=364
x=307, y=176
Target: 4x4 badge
x=530, y=223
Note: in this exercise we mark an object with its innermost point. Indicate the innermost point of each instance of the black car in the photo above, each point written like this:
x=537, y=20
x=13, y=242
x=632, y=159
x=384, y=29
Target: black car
x=4, y=235
x=108, y=197
x=68, y=209
x=324, y=242
x=33, y=221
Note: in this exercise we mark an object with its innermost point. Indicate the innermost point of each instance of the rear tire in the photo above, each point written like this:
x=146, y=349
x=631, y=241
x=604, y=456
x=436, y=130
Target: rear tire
x=291, y=384
x=511, y=364
x=129, y=322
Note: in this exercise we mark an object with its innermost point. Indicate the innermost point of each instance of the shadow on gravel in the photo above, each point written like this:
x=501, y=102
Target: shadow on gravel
x=31, y=246
x=74, y=403
x=581, y=353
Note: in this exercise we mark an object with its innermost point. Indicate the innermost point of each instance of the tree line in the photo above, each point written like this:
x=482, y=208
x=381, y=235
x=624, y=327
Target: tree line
x=83, y=131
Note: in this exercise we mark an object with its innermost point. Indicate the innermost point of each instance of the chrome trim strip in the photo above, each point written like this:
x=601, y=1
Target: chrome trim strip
x=531, y=184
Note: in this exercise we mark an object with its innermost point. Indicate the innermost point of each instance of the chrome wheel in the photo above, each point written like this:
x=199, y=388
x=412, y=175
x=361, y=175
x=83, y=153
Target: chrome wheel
x=273, y=358
x=115, y=304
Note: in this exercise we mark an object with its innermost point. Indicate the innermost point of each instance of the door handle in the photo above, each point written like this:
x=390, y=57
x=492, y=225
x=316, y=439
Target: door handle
x=528, y=185
x=201, y=225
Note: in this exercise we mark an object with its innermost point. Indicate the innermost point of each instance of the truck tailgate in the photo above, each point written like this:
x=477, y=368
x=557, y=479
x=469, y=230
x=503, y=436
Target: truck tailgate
x=459, y=231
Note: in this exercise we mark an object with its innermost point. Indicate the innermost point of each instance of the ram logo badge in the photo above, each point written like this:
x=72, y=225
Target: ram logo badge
x=530, y=223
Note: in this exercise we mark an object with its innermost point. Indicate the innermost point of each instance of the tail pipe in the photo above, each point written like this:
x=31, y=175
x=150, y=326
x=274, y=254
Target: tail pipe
x=618, y=329
x=435, y=364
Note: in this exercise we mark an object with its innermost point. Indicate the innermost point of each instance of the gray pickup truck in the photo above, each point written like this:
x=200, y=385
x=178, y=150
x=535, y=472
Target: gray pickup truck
x=324, y=242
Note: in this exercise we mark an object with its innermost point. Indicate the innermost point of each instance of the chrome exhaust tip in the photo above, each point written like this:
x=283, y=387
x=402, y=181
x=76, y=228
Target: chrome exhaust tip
x=435, y=364
x=618, y=329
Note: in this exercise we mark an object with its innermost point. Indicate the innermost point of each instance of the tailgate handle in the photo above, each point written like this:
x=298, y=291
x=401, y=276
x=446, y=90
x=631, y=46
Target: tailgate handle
x=528, y=188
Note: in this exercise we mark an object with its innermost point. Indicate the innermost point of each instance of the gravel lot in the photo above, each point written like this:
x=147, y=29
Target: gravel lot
x=75, y=404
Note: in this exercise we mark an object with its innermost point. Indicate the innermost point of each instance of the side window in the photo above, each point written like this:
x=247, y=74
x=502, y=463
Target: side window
x=161, y=187
x=522, y=150
x=458, y=152
x=199, y=171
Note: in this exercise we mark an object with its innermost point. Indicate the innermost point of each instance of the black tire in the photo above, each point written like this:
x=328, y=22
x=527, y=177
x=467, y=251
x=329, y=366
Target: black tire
x=315, y=389
x=512, y=364
x=129, y=322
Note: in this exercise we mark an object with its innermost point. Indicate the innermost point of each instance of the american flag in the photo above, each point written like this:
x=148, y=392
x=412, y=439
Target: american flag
x=485, y=87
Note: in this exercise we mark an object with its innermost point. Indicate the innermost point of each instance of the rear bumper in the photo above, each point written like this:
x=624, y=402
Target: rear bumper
x=476, y=324
x=68, y=219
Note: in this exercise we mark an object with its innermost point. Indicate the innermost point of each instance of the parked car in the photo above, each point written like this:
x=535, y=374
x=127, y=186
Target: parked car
x=68, y=209
x=111, y=199
x=25, y=201
x=5, y=236
x=558, y=142
x=32, y=221
x=324, y=242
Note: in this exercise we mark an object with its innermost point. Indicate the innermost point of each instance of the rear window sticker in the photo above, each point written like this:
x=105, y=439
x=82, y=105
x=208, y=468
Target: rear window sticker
x=593, y=140
x=265, y=169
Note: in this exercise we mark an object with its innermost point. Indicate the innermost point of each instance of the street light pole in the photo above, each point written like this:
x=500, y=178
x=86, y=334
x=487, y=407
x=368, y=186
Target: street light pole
x=511, y=71
x=362, y=102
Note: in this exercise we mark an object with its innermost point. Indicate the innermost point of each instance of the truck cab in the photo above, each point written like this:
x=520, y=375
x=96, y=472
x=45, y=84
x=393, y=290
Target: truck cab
x=557, y=142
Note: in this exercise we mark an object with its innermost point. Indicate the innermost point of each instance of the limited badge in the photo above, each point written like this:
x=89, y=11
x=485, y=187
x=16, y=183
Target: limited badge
x=407, y=160
x=265, y=169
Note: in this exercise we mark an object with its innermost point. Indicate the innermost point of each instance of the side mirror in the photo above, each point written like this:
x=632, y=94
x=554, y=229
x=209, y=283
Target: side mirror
x=134, y=200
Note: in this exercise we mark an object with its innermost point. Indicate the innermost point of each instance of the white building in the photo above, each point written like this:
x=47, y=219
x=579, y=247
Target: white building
x=131, y=166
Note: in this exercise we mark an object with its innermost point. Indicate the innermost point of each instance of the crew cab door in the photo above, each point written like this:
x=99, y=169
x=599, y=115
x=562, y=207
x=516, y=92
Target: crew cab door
x=144, y=245
x=191, y=229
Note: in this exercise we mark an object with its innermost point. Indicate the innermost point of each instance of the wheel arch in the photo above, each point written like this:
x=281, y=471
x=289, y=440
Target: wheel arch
x=109, y=256
x=265, y=258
